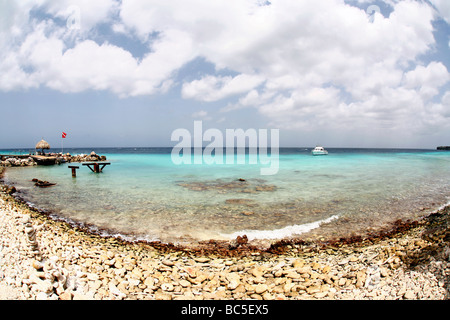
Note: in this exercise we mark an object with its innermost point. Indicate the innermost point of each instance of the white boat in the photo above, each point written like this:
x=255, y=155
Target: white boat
x=319, y=151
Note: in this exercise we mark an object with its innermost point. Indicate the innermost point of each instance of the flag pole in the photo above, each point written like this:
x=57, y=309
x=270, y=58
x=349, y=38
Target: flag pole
x=63, y=136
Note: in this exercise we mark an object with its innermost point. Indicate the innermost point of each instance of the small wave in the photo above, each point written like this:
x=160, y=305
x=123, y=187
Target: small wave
x=280, y=233
x=443, y=206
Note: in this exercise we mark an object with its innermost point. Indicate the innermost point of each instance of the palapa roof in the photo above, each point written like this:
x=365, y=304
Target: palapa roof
x=42, y=145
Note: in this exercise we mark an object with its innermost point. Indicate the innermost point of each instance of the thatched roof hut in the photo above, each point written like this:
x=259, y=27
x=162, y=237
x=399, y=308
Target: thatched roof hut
x=42, y=145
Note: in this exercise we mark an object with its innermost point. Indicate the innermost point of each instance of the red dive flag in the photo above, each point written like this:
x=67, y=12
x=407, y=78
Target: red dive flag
x=64, y=134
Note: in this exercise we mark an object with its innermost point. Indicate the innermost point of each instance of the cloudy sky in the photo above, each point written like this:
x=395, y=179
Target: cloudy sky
x=342, y=73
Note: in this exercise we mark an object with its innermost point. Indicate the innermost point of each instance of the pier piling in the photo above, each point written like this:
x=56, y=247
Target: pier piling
x=74, y=170
x=96, y=166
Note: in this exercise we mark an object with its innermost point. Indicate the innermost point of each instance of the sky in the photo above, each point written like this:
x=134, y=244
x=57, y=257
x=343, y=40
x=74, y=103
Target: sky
x=127, y=73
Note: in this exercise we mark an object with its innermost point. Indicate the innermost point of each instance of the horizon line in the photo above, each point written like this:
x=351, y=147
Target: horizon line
x=246, y=147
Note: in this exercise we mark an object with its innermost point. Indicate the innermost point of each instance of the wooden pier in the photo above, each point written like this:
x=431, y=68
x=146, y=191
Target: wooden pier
x=97, y=167
x=44, y=160
x=74, y=170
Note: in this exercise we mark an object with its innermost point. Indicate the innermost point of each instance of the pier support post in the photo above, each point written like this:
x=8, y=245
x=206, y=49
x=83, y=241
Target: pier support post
x=96, y=166
x=74, y=171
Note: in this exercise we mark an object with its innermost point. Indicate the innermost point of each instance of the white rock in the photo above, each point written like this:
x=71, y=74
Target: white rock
x=409, y=295
x=115, y=291
x=41, y=296
x=234, y=280
x=167, y=287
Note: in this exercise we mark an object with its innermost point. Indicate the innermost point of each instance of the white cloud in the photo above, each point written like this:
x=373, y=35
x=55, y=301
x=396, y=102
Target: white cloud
x=87, y=66
x=86, y=13
x=169, y=53
x=441, y=111
x=399, y=103
x=91, y=66
x=443, y=7
x=293, y=42
x=201, y=115
x=305, y=108
x=298, y=63
x=211, y=88
x=428, y=80
x=12, y=75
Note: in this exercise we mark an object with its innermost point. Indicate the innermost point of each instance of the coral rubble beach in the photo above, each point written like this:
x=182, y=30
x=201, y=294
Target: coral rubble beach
x=41, y=258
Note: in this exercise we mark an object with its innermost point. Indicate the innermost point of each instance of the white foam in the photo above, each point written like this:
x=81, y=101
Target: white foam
x=280, y=233
x=443, y=206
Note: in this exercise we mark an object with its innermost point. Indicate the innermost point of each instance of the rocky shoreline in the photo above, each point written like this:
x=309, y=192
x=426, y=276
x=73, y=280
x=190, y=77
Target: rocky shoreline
x=28, y=161
x=45, y=259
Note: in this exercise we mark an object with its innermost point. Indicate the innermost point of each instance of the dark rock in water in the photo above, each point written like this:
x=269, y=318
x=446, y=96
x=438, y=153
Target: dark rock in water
x=265, y=188
x=240, y=185
x=239, y=241
x=242, y=240
x=42, y=184
x=11, y=190
x=239, y=201
x=443, y=148
x=7, y=189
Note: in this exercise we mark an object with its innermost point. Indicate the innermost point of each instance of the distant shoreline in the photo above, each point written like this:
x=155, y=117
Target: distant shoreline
x=169, y=148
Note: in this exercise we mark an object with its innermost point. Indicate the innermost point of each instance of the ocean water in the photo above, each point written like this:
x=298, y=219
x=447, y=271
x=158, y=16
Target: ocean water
x=144, y=195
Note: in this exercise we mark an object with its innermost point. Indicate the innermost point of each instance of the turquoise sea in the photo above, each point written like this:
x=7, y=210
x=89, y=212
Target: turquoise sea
x=144, y=195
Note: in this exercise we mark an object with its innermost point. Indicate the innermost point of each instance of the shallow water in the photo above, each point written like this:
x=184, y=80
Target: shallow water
x=143, y=195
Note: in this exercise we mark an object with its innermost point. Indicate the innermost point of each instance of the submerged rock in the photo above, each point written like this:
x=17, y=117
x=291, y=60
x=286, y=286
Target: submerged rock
x=239, y=201
x=240, y=185
x=10, y=190
x=239, y=241
x=42, y=184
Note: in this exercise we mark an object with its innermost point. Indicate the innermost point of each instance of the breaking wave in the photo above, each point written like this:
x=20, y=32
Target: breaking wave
x=280, y=233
